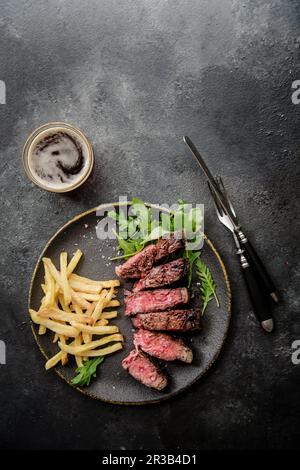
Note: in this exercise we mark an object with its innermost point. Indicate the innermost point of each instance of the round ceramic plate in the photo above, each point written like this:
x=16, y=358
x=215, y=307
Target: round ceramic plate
x=113, y=384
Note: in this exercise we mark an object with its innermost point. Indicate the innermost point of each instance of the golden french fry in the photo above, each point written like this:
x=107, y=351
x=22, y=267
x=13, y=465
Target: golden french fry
x=85, y=280
x=104, y=351
x=90, y=297
x=99, y=306
x=49, y=298
x=109, y=284
x=66, y=308
x=78, y=311
x=79, y=300
x=42, y=330
x=55, y=338
x=53, y=361
x=79, y=350
x=102, y=322
x=109, y=315
x=83, y=287
x=64, y=357
x=85, y=336
x=78, y=359
x=113, y=303
x=95, y=330
x=74, y=261
x=54, y=273
x=74, y=295
x=57, y=314
x=59, y=328
x=64, y=278
x=104, y=284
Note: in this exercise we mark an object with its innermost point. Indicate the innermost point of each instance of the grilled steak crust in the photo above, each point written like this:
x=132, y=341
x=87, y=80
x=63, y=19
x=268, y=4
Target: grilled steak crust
x=162, y=346
x=166, y=246
x=155, y=300
x=140, y=366
x=139, y=264
x=172, y=320
x=163, y=275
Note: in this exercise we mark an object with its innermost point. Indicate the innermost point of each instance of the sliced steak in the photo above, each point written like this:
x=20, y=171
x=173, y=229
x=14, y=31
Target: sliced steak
x=166, y=246
x=162, y=346
x=138, y=265
x=163, y=275
x=172, y=320
x=155, y=300
x=140, y=366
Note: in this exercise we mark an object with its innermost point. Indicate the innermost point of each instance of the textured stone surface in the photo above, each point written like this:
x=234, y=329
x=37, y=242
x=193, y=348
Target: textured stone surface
x=136, y=76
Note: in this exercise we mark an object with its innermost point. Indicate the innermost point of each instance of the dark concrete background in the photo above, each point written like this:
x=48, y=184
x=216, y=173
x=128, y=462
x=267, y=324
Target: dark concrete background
x=136, y=76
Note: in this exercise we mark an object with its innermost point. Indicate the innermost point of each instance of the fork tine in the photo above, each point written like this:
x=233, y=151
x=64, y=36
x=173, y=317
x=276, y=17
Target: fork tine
x=217, y=204
x=223, y=218
x=225, y=194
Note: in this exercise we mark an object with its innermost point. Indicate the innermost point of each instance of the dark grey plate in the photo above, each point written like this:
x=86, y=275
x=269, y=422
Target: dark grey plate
x=113, y=384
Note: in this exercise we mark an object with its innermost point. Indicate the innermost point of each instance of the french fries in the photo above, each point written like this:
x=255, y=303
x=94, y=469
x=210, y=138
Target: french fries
x=59, y=328
x=104, y=284
x=92, y=345
x=57, y=314
x=64, y=278
x=73, y=263
x=82, y=287
x=74, y=308
x=103, y=352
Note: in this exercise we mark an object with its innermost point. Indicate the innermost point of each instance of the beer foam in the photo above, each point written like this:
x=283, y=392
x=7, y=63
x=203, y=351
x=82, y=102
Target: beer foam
x=58, y=159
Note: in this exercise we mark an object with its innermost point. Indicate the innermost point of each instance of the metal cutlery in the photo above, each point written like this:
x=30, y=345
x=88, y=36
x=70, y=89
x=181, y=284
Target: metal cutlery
x=257, y=279
x=259, y=300
x=226, y=205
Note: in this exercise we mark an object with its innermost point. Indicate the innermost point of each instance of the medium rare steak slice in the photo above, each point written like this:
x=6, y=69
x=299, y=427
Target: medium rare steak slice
x=138, y=265
x=163, y=275
x=166, y=246
x=162, y=346
x=140, y=366
x=155, y=300
x=172, y=320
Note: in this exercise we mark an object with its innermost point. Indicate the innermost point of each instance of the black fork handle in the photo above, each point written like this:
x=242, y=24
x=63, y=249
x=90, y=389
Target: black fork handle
x=259, y=301
x=259, y=267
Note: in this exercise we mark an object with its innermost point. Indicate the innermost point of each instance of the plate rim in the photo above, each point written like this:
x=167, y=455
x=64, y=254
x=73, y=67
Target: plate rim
x=90, y=395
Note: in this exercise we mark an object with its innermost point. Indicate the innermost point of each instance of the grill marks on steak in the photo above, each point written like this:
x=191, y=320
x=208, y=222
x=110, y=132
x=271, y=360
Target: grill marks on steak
x=172, y=320
x=140, y=366
x=163, y=275
x=166, y=246
x=151, y=310
x=140, y=264
x=162, y=346
x=155, y=300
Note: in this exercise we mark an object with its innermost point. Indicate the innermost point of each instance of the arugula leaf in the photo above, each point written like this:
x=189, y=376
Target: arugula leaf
x=143, y=216
x=86, y=372
x=208, y=286
x=128, y=246
x=139, y=228
x=191, y=256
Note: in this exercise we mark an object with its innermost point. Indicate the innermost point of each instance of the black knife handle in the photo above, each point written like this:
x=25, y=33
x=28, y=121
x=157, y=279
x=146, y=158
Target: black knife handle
x=259, y=301
x=258, y=265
